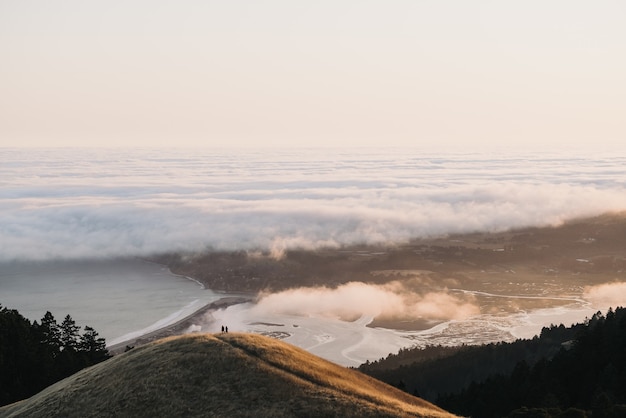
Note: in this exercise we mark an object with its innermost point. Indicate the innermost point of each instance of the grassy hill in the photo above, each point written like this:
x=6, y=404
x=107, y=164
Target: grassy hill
x=234, y=375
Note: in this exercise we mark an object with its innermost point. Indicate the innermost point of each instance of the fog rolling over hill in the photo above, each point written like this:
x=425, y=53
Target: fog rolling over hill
x=229, y=375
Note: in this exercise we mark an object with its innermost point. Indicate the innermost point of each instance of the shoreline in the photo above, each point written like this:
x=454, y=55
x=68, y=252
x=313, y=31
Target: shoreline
x=179, y=327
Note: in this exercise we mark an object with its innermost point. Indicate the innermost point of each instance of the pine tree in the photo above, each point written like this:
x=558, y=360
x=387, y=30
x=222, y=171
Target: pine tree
x=33, y=356
x=93, y=346
x=51, y=334
x=69, y=334
x=18, y=364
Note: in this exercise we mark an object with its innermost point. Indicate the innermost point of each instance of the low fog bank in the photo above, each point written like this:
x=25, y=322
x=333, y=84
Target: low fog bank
x=140, y=203
x=348, y=302
x=71, y=229
x=606, y=295
x=400, y=301
x=333, y=322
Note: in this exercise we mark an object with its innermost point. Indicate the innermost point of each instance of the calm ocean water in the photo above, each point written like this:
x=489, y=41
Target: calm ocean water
x=116, y=297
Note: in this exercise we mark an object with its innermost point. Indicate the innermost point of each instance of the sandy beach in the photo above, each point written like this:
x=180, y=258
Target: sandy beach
x=181, y=326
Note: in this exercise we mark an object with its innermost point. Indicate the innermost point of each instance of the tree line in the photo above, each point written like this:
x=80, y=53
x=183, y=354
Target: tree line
x=35, y=355
x=577, y=371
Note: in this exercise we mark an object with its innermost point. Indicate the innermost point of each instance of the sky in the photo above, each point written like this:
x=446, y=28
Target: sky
x=279, y=73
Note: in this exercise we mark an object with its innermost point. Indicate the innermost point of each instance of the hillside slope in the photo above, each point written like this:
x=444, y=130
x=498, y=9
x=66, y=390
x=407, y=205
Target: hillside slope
x=234, y=375
x=535, y=255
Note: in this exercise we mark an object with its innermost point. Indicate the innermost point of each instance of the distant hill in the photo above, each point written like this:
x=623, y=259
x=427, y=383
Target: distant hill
x=578, y=371
x=230, y=375
x=534, y=254
x=432, y=371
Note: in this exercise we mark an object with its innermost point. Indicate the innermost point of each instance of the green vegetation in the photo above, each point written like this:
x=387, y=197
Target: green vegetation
x=576, y=371
x=35, y=355
x=234, y=375
x=434, y=370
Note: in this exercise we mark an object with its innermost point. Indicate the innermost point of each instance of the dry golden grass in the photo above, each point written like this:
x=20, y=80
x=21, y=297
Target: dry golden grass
x=224, y=375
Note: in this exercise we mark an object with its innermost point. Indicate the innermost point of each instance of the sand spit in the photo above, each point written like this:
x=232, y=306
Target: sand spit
x=181, y=326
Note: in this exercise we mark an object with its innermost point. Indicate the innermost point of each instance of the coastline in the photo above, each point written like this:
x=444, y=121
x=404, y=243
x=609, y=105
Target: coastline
x=499, y=273
x=179, y=327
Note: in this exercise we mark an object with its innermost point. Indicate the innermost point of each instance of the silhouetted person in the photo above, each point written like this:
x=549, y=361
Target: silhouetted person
x=226, y=328
x=222, y=328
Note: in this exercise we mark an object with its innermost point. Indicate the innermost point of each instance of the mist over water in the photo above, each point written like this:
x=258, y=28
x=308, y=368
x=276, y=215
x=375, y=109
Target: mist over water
x=75, y=203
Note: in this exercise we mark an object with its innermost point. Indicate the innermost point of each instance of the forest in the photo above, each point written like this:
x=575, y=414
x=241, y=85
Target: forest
x=33, y=355
x=579, y=371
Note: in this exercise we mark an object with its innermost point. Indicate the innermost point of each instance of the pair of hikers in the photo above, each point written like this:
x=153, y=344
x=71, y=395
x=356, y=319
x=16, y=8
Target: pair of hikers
x=224, y=329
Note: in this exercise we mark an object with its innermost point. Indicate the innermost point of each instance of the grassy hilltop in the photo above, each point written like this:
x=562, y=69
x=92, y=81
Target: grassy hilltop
x=234, y=375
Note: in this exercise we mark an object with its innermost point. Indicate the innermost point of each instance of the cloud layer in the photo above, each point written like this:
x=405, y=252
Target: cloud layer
x=606, y=295
x=103, y=203
x=355, y=299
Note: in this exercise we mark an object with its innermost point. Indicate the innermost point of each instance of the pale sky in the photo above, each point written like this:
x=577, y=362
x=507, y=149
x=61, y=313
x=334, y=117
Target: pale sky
x=317, y=73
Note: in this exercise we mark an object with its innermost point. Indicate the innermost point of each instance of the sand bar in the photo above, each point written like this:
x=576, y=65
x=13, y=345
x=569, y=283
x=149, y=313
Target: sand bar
x=181, y=326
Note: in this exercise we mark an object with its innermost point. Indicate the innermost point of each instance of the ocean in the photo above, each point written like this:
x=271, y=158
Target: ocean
x=119, y=298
